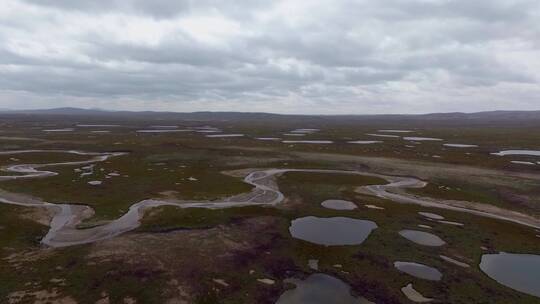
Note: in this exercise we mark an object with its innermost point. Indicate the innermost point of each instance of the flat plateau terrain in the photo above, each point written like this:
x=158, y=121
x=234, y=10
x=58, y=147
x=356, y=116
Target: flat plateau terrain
x=255, y=208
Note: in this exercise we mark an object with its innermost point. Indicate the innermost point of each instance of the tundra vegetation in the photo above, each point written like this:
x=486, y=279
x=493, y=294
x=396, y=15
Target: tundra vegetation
x=246, y=254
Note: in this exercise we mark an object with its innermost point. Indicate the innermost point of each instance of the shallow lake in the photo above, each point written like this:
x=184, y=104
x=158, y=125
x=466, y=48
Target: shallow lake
x=319, y=289
x=332, y=231
x=307, y=141
x=225, y=135
x=517, y=271
x=164, y=127
x=518, y=152
x=422, y=238
x=422, y=138
x=268, y=138
x=460, y=146
x=162, y=130
x=382, y=135
x=430, y=215
x=519, y=162
x=420, y=271
x=208, y=131
x=60, y=130
x=338, y=204
x=395, y=131
x=95, y=125
x=307, y=131
x=364, y=142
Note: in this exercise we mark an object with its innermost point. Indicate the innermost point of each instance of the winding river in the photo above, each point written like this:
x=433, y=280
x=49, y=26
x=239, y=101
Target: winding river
x=63, y=226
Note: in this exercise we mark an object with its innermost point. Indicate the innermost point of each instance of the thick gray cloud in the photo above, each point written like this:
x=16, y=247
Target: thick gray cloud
x=347, y=56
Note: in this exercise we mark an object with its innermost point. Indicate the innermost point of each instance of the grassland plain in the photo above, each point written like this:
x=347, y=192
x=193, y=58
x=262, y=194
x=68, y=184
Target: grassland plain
x=216, y=256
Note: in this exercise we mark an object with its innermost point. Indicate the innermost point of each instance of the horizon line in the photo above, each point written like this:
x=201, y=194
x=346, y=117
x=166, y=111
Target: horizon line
x=4, y=110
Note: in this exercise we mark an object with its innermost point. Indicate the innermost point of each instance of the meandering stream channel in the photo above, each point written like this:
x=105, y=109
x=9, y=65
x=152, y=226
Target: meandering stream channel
x=63, y=226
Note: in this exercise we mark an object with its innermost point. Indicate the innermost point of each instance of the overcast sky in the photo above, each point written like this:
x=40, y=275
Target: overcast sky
x=310, y=56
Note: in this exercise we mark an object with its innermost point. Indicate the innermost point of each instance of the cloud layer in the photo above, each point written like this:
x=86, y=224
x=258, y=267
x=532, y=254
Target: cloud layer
x=346, y=56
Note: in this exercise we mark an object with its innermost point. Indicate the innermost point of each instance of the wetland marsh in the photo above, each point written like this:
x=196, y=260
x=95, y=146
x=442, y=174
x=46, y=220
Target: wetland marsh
x=230, y=218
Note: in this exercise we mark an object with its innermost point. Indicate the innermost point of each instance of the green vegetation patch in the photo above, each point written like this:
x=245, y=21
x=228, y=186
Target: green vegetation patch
x=168, y=218
x=18, y=231
x=523, y=196
x=317, y=187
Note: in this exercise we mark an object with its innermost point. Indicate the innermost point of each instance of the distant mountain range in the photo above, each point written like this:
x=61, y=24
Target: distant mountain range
x=478, y=117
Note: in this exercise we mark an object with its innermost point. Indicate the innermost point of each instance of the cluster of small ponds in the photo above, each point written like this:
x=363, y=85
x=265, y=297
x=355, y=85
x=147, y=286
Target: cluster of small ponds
x=385, y=133
x=520, y=272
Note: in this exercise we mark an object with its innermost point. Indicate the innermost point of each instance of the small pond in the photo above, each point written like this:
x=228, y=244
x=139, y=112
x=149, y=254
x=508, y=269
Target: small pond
x=307, y=141
x=332, y=231
x=518, y=152
x=395, y=131
x=382, y=135
x=430, y=215
x=422, y=237
x=460, y=146
x=364, y=142
x=420, y=271
x=517, y=271
x=163, y=131
x=422, y=138
x=225, y=135
x=338, y=204
x=319, y=289
x=520, y=162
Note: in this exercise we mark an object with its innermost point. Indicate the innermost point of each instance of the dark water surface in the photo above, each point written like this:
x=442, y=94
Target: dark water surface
x=332, y=231
x=422, y=237
x=517, y=271
x=320, y=289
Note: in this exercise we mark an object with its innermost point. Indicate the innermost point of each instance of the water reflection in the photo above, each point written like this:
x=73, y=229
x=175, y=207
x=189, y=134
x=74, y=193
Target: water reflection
x=331, y=231
x=338, y=204
x=517, y=271
x=422, y=238
x=319, y=289
x=420, y=271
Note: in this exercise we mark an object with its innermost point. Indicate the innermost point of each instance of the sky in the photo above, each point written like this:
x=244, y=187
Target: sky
x=306, y=57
